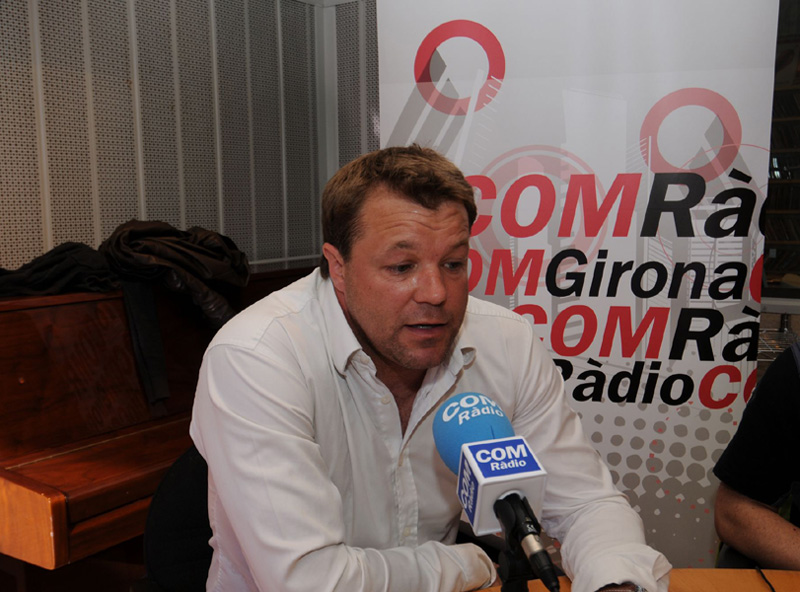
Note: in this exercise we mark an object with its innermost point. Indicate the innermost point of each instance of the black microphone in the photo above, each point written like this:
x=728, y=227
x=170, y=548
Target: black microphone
x=498, y=476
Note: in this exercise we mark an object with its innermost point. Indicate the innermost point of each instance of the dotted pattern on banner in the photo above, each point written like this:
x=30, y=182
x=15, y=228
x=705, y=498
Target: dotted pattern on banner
x=662, y=459
x=197, y=114
x=157, y=99
x=268, y=168
x=66, y=130
x=20, y=190
x=349, y=47
x=112, y=96
x=235, y=122
x=299, y=69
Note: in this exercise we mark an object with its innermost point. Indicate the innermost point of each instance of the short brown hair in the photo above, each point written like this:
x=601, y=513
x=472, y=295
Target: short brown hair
x=421, y=174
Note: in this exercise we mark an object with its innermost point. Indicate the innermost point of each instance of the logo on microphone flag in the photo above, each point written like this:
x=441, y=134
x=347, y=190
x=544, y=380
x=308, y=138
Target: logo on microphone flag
x=467, y=489
x=510, y=456
x=491, y=469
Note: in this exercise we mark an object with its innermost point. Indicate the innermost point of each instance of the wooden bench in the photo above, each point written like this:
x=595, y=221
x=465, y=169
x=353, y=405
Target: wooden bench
x=81, y=450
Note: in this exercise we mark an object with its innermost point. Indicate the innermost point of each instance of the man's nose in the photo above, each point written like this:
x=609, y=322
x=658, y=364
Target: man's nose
x=431, y=287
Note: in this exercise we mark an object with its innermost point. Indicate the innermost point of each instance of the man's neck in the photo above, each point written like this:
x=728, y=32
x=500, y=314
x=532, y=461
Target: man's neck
x=404, y=385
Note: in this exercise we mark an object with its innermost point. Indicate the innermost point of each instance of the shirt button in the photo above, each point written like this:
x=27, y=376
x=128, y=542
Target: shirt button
x=407, y=532
x=386, y=399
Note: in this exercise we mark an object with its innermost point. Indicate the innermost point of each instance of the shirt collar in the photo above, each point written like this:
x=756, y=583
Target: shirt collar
x=344, y=343
x=466, y=344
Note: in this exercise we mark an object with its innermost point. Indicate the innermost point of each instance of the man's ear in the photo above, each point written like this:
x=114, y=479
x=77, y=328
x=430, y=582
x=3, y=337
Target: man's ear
x=335, y=265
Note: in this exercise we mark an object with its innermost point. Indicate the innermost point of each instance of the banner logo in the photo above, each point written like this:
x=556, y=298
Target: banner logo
x=429, y=85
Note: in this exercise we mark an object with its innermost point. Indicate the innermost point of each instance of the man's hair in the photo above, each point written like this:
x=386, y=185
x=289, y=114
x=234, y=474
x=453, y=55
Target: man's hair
x=420, y=174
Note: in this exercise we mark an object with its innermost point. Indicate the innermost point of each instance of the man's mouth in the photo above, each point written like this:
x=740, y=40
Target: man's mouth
x=426, y=325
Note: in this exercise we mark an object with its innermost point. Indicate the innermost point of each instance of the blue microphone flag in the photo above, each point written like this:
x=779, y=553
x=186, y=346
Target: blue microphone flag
x=476, y=441
x=465, y=418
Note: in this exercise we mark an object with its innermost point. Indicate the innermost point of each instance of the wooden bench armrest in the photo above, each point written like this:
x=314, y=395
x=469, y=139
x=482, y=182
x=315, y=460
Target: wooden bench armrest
x=72, y=503
x=34, y=521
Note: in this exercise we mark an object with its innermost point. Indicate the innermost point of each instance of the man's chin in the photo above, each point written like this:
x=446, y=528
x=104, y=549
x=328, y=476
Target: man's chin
x=426, y=358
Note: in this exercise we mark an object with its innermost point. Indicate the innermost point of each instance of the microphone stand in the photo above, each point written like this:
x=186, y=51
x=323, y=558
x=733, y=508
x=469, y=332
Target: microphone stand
x=514, y=570
x=525, y=555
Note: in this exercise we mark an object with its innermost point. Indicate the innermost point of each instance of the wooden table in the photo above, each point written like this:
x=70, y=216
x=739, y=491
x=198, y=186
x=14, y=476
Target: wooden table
x=712, y=580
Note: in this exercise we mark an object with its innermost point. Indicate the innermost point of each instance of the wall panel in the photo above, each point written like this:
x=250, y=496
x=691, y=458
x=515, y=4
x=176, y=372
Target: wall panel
x=196, y=80
x=191, y=112
x=302, y=216
x=157, y=100
x=113, y=113
x=65, y=121
x=21, y=225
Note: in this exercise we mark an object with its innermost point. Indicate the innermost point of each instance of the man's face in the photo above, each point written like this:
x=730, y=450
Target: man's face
x=404, y=287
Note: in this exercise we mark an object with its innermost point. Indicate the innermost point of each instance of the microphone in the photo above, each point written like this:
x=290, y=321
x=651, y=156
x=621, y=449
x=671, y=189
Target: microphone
x=500, y=481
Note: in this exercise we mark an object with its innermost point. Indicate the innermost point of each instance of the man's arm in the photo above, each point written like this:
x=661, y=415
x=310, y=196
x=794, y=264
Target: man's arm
x=756, y=530
x=602, y=537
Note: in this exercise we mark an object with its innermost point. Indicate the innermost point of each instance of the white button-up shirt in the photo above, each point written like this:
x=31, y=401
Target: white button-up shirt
x=313, y=486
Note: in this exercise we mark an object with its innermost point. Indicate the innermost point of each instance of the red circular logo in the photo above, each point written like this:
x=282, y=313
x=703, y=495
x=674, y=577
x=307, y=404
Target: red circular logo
x=422, y=66
x=701, y=97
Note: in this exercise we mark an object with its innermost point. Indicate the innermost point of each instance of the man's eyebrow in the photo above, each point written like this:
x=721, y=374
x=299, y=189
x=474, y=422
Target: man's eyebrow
x=460, y=245
x=404, y=245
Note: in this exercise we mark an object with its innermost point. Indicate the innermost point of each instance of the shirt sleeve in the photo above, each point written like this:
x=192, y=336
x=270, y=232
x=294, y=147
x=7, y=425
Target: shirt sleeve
x=602, y=537
x=253, y=421
x=758, y=461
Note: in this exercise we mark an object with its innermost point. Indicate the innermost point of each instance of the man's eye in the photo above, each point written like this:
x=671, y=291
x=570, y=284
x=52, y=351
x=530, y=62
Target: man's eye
x=455, y=265
x=402, y=268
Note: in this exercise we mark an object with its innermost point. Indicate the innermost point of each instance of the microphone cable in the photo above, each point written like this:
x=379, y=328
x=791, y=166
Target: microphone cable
x=764, y=577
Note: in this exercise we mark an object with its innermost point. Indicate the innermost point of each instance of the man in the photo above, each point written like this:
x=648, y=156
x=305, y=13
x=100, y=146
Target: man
x=757, y=509
x=315, y=407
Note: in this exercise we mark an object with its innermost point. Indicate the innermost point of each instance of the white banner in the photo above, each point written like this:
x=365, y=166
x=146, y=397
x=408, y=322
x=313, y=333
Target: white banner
x=620, y=152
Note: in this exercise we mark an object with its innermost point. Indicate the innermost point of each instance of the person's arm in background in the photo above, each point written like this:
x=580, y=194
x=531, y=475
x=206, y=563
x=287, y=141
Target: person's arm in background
x=757, y=469
x=756, y=530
